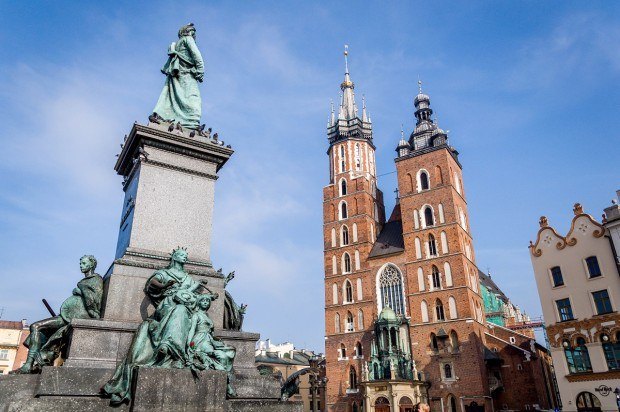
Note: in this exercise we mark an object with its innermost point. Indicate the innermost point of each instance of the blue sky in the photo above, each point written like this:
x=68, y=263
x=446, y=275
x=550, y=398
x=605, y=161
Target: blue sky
x=529, y=91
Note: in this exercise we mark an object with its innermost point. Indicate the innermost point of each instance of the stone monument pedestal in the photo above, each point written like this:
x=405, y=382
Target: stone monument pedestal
x=169, y=180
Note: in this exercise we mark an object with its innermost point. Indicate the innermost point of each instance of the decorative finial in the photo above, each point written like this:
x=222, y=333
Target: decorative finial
x=419, y=85
x=402, y=131
x=543, y=221
x=578, y=209
x=331, y=102
x=346, y=62
x=363, y=101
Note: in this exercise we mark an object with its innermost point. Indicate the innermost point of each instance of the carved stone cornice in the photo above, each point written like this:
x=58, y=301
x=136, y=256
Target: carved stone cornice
x=207, y=150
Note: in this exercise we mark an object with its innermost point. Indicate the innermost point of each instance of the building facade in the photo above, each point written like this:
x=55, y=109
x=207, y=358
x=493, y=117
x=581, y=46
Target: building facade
x=301, y=372
x=12, y=335
x=579, y=288
x=420, y=263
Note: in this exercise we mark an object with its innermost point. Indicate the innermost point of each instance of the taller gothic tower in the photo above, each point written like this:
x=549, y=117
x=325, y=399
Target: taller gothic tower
x=353, y=213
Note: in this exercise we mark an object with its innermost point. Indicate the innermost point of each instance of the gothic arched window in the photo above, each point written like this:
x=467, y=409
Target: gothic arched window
x=343, y=187
x=428, y=217
x=346, y=263
x=343, y=210
x=358, y=349
x=439, y=313
x=447, y=371
x=352, y=378
x=349, y=325
x=436, y=277
x=432, y=245
x=424, y=181
x=391, y=288
x=348, y=291
x=344, y=236
x=343, y=351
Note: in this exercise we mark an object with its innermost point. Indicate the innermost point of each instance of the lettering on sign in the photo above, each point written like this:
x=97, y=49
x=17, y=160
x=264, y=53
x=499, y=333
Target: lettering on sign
x=604, y=390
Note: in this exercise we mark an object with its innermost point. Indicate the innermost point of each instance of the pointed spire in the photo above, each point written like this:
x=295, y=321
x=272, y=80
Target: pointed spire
x=364, y=113
x=348, y=108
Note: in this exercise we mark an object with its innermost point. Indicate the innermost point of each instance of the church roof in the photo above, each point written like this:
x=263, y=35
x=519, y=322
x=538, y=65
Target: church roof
x=390, y=240
x=491, y=285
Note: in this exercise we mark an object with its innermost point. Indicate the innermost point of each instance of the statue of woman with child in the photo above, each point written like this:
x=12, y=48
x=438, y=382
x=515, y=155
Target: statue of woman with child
x=178, y=335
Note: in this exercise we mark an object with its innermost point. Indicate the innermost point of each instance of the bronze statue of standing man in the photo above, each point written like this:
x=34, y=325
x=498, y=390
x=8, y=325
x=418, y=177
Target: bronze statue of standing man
x=179, y=100
x=48, y=336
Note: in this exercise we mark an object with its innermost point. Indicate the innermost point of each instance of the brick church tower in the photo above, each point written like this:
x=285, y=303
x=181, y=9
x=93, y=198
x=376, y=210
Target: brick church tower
x=353, y=214
x=404, y=316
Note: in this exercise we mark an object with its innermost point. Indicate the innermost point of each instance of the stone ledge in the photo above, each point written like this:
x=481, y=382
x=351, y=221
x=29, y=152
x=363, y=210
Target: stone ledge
x=64, y=381
x=242, y=405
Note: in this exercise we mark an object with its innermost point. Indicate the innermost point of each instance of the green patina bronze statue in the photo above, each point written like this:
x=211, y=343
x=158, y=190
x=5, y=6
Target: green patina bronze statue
x=179, y=101
x=178, y=335
x=48, y=337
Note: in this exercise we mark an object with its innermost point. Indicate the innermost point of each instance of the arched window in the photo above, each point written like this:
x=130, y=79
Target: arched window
x=409, y=183
x=432, y=245
x=447, y=272
x=342, y=159
x=454, y=341
x=439, y=314
x=337, y=323
x=424, y=311
x=343, y=351
x=348, y=292
x=421, y=285
x=457, y=183
x=334, y=265
x=452, y=404
x=350, y=325
x=357, y=260
x=334, y=237
x=587, y=402
x=452, y=307
x=447, y=371
x=428, y=217
x=335, y=294
x=436, y=277
x=358, y=162
x=444, y=243
x=434, y=345
x=354, y=232
x=611, y=351
x=381, y=403
x=343, y=210
x=391, y=289
x=577, y=357
x=439, y=176
x=360, y=319
x=346, y=263
x=405, y=404
x=424, y=181
x=358, y=349
x=343, y=187
x=344, y=236
x=462, y=217
x=418, y=249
